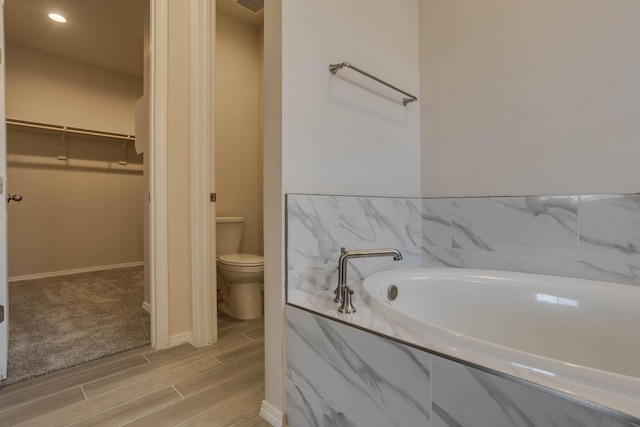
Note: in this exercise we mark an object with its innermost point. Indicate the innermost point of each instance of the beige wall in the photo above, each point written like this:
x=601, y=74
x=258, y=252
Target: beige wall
x=45, y=88
x=80, y=213
x=84, y=212
x=238, y=136
x=528, y=98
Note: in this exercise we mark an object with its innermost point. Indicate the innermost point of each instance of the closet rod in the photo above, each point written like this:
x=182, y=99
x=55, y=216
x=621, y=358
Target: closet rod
x=69, y=130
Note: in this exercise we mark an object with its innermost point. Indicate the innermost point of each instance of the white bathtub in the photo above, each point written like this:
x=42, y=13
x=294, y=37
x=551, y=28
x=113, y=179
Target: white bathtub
x=579, y=337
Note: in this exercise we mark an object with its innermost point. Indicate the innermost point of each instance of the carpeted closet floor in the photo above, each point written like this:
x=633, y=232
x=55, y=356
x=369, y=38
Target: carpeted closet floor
x=64, y=321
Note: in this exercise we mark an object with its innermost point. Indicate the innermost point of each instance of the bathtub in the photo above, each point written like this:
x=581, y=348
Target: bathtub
x=577, y=337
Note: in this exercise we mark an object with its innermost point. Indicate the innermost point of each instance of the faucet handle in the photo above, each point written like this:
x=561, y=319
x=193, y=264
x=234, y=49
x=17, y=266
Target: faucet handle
x=347, y=305
x=338, y=291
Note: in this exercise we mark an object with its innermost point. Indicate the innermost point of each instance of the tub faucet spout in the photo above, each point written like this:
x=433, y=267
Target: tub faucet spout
x=343, y=291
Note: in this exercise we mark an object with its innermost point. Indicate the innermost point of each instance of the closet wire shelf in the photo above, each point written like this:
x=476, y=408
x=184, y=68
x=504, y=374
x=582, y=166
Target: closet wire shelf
x=69, y=130
x=65, y=130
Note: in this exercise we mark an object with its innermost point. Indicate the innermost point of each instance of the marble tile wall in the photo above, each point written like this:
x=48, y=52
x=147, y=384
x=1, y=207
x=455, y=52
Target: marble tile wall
x=318, y=225
x=341, y=376
x=592, y=237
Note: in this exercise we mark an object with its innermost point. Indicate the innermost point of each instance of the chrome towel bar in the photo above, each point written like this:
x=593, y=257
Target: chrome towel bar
x=333, y=68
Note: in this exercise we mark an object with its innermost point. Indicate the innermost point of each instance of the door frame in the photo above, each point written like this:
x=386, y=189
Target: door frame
x=158, y=188
x=4, y=283
x=203, y=278
x=204, y=319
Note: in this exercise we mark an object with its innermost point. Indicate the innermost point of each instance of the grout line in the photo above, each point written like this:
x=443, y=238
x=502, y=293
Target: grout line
x=104, y=377
x=227, y=380
x=37, y=399
x=122, y=404
x=138, y=416
x=179, y=394
x=83, y=393
x=60, y=375
x=251, y=339
x=216, y=405
x=431, y=390
x=578, y=257
x=245, y=354
x=146, y=358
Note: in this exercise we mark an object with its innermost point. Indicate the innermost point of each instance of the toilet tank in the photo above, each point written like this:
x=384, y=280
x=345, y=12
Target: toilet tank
x=228, y=234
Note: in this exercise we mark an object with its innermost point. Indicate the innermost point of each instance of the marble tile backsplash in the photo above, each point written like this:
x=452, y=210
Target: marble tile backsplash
x=588, y=236
x=318, y=226
x=592, y=237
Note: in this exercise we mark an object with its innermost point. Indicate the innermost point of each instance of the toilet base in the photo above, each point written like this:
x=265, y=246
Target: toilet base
x=244, y=303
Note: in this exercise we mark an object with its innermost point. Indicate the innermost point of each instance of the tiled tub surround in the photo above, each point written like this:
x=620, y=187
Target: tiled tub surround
x=341, y=376
x=591, y=237
x=594, y=237
x=317, y=226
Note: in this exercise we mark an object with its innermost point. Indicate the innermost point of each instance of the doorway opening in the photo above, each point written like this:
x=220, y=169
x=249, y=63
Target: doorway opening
x=238, y=161
x=76, y=242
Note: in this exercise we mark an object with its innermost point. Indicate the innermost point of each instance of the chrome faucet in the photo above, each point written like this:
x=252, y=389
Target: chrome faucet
x=343, y=292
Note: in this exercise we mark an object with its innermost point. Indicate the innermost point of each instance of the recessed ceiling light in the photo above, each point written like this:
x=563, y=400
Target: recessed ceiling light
x=58, y=18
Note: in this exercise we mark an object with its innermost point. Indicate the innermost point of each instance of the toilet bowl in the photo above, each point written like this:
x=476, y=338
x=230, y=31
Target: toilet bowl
x=242, y=276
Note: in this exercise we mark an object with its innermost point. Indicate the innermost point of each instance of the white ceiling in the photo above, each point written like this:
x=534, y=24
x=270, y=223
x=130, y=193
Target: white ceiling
x=104, y=33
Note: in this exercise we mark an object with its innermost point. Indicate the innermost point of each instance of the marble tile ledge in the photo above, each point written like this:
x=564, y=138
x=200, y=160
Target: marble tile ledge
x=367, y=318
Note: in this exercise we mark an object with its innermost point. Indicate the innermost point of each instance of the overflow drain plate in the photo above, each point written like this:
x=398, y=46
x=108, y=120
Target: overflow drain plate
x=392, y=292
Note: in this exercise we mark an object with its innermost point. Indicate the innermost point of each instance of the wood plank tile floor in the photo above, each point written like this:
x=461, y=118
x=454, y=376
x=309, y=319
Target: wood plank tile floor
x=218, y=385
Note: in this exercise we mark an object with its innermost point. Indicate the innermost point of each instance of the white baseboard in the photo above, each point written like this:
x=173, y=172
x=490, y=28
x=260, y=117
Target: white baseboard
x=271, y=414
x=74, y=271
x=184, y=337
x=146, y=307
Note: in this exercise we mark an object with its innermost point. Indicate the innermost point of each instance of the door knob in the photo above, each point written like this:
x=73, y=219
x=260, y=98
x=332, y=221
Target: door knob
x=15, y=198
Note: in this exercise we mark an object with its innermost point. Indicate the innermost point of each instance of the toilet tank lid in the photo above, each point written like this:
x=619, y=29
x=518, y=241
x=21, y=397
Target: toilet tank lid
x=249, y=260
x=227, y=219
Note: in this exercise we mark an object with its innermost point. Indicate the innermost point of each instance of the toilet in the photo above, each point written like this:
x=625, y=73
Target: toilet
x=240, y=275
